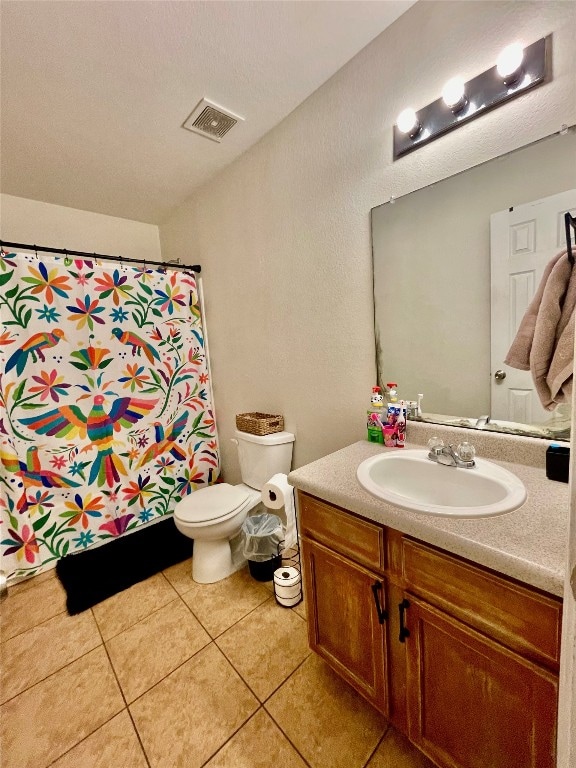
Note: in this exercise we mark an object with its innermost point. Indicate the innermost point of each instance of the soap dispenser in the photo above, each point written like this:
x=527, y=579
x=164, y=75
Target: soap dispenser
x=375, y=415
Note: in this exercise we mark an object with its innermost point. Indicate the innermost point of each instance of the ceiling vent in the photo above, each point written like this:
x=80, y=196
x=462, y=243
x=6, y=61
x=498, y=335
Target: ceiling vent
x=211, y=120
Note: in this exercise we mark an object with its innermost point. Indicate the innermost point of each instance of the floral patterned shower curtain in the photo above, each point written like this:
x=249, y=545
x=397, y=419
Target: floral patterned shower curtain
x=106, y=419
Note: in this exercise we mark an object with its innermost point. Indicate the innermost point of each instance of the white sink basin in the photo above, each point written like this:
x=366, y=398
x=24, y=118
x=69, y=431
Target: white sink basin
x=410, y=480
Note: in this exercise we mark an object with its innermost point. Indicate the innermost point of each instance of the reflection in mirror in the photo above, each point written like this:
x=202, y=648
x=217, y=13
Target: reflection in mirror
x=455, y=266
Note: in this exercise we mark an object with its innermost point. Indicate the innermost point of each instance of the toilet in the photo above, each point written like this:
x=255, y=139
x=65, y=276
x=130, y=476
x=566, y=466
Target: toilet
x=213, y=516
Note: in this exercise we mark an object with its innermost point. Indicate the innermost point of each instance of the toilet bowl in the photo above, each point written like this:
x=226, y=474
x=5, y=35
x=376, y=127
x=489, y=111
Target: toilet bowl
x=213, y=516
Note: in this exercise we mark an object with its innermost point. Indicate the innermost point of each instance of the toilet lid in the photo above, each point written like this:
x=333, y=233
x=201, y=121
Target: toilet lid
x=211, y=504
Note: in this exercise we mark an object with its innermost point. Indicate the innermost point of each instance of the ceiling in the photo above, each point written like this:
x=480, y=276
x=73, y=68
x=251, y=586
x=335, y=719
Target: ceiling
x=94, y=94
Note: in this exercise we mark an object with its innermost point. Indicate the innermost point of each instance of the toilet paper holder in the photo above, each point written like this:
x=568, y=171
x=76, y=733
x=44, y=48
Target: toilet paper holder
x=277, y=494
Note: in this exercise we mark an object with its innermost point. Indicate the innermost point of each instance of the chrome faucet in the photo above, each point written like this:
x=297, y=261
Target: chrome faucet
x=446, y=455
x=482, y=421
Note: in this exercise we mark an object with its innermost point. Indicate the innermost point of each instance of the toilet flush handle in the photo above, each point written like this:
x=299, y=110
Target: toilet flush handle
x=233, y=440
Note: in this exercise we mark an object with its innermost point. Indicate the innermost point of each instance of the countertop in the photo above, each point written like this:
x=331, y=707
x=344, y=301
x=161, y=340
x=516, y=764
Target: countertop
x=528, y=544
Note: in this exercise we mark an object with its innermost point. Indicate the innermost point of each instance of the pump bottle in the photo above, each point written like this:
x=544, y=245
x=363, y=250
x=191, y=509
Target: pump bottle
x=375, y=415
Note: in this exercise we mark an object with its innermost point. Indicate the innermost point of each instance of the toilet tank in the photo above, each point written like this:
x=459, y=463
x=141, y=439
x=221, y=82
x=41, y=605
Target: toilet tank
x=262, y=456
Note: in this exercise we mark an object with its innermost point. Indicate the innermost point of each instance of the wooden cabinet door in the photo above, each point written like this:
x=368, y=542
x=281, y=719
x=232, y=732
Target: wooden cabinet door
x=344, y=620
x=473, y=703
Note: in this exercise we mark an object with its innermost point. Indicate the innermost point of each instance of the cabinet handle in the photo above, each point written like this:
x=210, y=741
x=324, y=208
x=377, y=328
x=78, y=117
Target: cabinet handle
x=376, y=589
x=404, y=631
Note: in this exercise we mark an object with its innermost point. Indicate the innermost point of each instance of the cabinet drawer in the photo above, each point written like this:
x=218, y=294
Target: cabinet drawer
x=358, y=539
x=521, y=618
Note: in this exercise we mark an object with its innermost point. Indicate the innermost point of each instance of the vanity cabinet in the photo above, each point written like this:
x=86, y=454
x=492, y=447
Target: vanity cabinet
x=466, y=661
x=471, y=702
x=347, y=598
x=346, y=628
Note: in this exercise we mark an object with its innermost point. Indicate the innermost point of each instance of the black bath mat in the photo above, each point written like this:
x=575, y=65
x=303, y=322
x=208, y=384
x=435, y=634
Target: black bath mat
x=92, y=576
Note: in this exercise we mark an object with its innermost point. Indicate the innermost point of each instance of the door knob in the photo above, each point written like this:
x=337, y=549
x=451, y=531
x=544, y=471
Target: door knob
x=500, y=375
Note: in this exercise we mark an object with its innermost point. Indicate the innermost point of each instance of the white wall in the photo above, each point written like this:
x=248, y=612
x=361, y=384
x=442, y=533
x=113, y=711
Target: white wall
x=31, y=221
x=283, y=234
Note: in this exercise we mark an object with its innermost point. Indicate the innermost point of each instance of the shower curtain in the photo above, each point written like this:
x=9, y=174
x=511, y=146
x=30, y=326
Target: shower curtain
x=106, y=418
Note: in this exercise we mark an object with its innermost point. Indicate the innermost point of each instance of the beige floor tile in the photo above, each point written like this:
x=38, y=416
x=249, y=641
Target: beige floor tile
x=114, y=744
x=25, y=609
x=22, y=586
x=325, y=719
x=190, y=714
x=258, y=744
x=301, y=609
x=43, y=650
x=218, y=606
x=120, y=611
x=148, y=651
x=45, y=721
x=266, y=646
x=395, y=751
x=180, y=576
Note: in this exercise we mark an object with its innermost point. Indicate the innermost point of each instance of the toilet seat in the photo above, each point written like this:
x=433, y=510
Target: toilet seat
x=212, y=504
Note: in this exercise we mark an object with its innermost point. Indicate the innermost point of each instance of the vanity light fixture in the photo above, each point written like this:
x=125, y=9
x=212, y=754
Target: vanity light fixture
x=517, y=70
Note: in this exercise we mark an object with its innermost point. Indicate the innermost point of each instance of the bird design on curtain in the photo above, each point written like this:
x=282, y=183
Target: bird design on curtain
x=99, y=426
x=32, y=474
x=33, y=347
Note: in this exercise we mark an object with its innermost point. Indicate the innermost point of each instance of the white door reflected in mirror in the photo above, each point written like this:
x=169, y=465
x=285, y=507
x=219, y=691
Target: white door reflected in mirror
x=522, y=242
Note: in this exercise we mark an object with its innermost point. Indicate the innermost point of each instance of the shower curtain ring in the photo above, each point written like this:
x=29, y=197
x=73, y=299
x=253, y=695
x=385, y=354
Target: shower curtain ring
x=67, y=259
x=36, y=250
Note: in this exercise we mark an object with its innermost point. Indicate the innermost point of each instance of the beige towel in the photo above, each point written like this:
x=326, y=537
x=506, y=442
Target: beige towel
x=560, y=371
x=544, y=343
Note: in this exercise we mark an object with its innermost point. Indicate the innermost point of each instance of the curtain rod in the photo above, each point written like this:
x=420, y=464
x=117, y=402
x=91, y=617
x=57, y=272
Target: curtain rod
x=86, y=255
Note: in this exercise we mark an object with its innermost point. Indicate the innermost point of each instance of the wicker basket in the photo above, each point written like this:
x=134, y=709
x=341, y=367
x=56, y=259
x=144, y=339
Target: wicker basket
x=260, y=423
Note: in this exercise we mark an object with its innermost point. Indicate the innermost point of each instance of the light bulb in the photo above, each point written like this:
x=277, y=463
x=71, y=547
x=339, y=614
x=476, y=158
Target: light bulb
x=408, y=122
x=454, y=94
x=509, y=63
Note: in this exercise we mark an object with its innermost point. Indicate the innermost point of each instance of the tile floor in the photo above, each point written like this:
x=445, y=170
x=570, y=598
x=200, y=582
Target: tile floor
x=172, y=674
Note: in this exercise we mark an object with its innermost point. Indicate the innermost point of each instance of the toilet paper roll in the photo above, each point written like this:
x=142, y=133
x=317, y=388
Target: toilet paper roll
x=277, y=493
x=286, y=577
x=289, y=602
x=287, y=592
x=287, y=586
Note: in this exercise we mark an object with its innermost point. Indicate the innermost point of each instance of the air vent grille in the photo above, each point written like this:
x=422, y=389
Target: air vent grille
x=211, y=120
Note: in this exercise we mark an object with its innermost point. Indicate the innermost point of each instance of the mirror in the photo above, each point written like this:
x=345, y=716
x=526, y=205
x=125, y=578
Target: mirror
x=433, y=294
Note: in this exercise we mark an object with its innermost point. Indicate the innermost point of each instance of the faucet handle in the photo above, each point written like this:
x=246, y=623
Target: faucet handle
x=435, y=445
x=466, y=451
